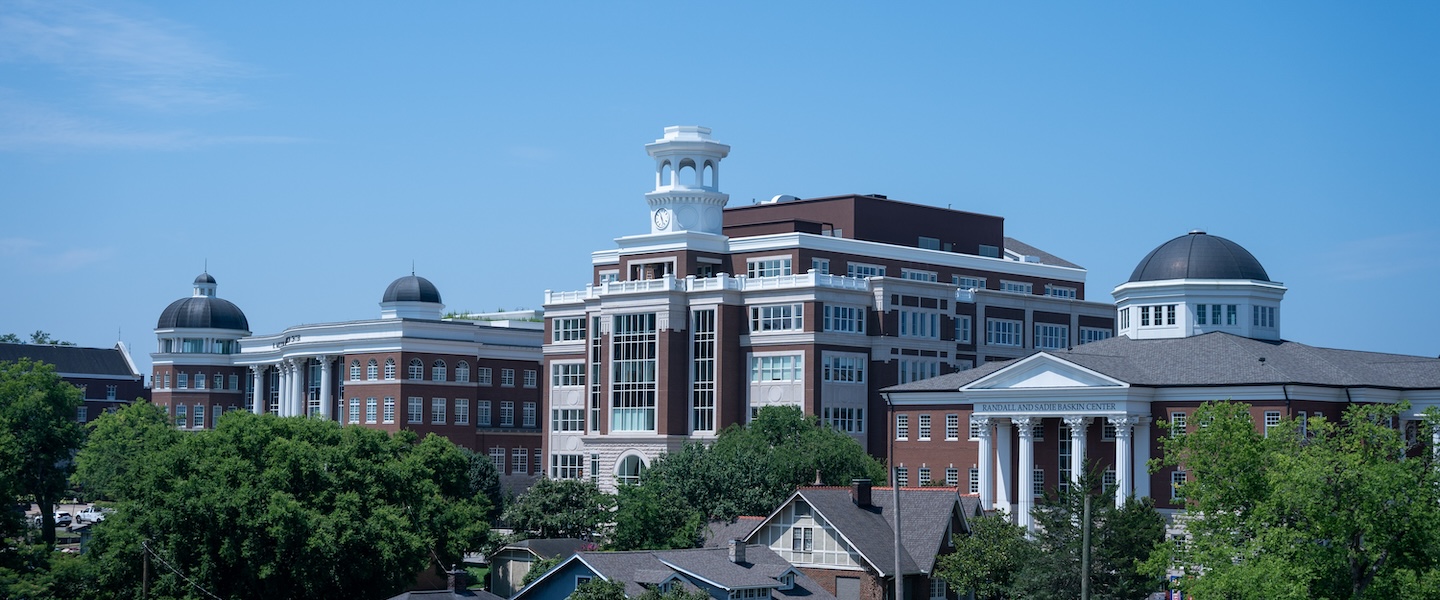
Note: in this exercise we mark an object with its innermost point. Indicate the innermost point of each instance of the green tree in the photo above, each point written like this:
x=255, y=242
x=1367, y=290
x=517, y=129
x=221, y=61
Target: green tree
x=1347, y=510
x=599, y=589
x=1120, y=540
x=40, y=337
x=560, y=508
x=264, y=507
x=675, y=593
x=37, y=414
x=654, y=517
x=987, y=559
x=484, y=480
x=538, y=568
x=11, y=338
x=119, y=444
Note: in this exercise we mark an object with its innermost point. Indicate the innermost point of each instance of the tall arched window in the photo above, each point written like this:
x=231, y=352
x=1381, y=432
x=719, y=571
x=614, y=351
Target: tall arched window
x=417, y=369
x=389, y=369
x=437, y=371
x=462, y=372
x=628, y=471
x=372, y=370
x=354, y=370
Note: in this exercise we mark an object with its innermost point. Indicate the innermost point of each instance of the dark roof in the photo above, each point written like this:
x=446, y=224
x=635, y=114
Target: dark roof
x=870, y=529
x=719, y=533
x=447, y=595
x=642, y=568
x=204, y=278
x=1046, y=258
x=1198, y=255
x=1223, y=359
x=203, y=312
x=411, y=288
x=551, y=548
x=72, y=359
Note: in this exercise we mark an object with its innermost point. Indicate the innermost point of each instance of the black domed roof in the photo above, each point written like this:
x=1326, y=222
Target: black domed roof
x=203, y=312
x=1198, y=255
x=204, y=278
x=411, y=288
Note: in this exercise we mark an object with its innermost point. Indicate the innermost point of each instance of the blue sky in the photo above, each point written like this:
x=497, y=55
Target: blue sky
x=311, y=151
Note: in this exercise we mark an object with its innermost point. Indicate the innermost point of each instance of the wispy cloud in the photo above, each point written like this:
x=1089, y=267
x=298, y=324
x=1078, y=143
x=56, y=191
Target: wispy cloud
x=1383, y=257
x=148, y=62
x=36, y=255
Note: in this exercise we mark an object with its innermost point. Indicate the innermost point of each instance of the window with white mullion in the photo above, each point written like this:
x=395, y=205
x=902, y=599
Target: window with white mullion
x=702, y=370
x=839, y=368
x=767, y=267
x=846, y=319
x=785, y=367
x=633, y=382
x=919, y=324
x=1050, y=336
x=777, y=317
x=1004, y=332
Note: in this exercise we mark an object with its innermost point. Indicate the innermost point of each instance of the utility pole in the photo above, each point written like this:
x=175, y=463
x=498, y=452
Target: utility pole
x=895, y=498
x=1085, y=551
x=145, y=570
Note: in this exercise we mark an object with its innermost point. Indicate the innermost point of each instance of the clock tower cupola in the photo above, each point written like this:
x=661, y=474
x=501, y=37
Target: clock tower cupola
x=687, y=181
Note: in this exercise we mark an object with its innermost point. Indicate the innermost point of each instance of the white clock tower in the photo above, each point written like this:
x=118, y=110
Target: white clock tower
x=687, y=181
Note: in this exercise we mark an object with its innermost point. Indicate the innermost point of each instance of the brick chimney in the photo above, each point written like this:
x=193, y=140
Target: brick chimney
x=860, y=492
x=737, y=551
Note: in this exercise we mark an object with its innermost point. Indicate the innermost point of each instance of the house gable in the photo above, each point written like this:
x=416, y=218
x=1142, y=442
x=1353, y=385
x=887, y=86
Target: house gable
x=1042, y=370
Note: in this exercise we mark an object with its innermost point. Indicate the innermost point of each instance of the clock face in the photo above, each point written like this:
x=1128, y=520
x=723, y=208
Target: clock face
x=662, y=218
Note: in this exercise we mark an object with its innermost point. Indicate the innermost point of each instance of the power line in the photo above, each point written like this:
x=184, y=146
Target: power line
x=146, y=546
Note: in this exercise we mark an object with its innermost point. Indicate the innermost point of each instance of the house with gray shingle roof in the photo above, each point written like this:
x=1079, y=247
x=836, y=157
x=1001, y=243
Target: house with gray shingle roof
x=106, y=376
x=511, y=563
x=844, y=538
x=738, y=571
x=1199, y=320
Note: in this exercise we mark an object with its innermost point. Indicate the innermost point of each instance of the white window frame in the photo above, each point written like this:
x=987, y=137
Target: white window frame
x=568, y=329
x=1090, y=335
x=437, y=411
x=843, y=368
x=1057, y=291
x=923, y=427
x=768, y=266
x=919, y=275
x=967, y=282
x=1004, y=332
x=770, y=318
x=1052, y=336
x=1272, y=420
x=482, y=375
x=964, y=324
x=1016, y=287
x=863, y=270
x=902, y=427
x=820, y=266
x=777, y=367
x=462, y=411
x=507, y=377
x=415, y=409
x=567, y=374
x=952, y=427
x=843, y=319
x=387, y=414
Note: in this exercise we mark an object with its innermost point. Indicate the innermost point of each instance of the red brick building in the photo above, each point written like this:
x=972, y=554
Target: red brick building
x=106, y=376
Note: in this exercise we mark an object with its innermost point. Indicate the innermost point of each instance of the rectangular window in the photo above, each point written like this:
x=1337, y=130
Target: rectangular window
x=848, y=420
x=482, y=413
x=919, y=324
x=462, y=411
x=1094, y=334
x=1107, y=431
x=1177, y=423
x=820, y=266
x=843, y=369
x=1016, y=287
x=786, y=367
x=974, y=480
x=1200, y=314
x=567, y=419
x=569, y=329
x=924, y=476
x=1060, y=292
x=846, y=319
x=182, y=416
x=863, y=270
x=1263, y=316
x=767, y=267
x=497, y=456
x=1231, y=317
x=1177, y=479
x=507, y=377
x=962, y=329
x=802, y=539
x=200, y=415
x=234, y=383
x=482, y=375
x=952, y=427
x=1037, y=431
x=389, y=415
x=372, y=409
x=1125, y=318
x=507, y=413
x=1004, y=332
x=1215, y=314
x=937, y=589
x=566, y=466
x=354, y=410
x=182, y=380
x=916, y=370
x=82, y=414
x=965, y=282
x=1272, y=419
x=567, y=375
x=702, y=370
x=902, y=477
x=952, y=477
x=1049, y=336
x=1037, y=477
x=777, y=317
x=974, y=430
x=924, y=430
x=530, y=378
x=928, y=243
x=918, y=275
x=414, y=412
x=528, y=414
x=902, y=427
x=437, y=411
x=521, y=459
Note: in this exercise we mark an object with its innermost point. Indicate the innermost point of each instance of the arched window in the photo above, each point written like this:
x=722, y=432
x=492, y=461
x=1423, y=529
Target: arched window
x=685, y=176
x=417, y=369
x=462, y=372
x=389, y=369
x=372, y=370
x=437, y=371
x=354, y=370
x=708, y=175
x=628, y=471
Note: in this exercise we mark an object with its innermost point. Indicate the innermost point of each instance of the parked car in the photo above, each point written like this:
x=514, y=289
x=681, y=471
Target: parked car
x=63, y=519
x=92, y=514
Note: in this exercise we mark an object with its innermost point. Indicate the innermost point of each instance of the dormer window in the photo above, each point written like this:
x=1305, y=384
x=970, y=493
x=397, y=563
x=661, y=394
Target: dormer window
x=787, y=581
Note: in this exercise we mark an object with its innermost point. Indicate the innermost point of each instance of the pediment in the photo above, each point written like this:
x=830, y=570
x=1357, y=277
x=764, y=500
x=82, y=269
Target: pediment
x=1044, y=371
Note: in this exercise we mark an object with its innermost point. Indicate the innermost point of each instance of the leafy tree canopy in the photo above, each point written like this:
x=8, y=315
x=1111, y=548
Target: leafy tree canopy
x=38, y=433
x=987, y=559
x=119, y=443
x=560, y=508
x=599, y=589
x=39, y=337
x=1327, y=510
x=264, y=507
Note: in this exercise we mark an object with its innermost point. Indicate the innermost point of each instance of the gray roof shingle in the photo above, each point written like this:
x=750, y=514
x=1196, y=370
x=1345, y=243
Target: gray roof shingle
x=72, y=359
x=1046, y=258
x=924, y=522
x=762, y=567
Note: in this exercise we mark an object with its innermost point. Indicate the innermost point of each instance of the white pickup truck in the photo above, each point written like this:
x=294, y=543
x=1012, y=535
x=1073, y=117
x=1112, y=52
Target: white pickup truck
x=92, y=514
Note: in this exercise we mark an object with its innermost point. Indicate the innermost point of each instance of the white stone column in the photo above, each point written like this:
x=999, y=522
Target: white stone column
x=297, y=395
x=1005, y=474
x=1124, y=467
x=326, y=403
x=283, y=391
x=257, y=402
x=1077, y=446
x=1026, y=489
x=986, y=463
x=1142, y=456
